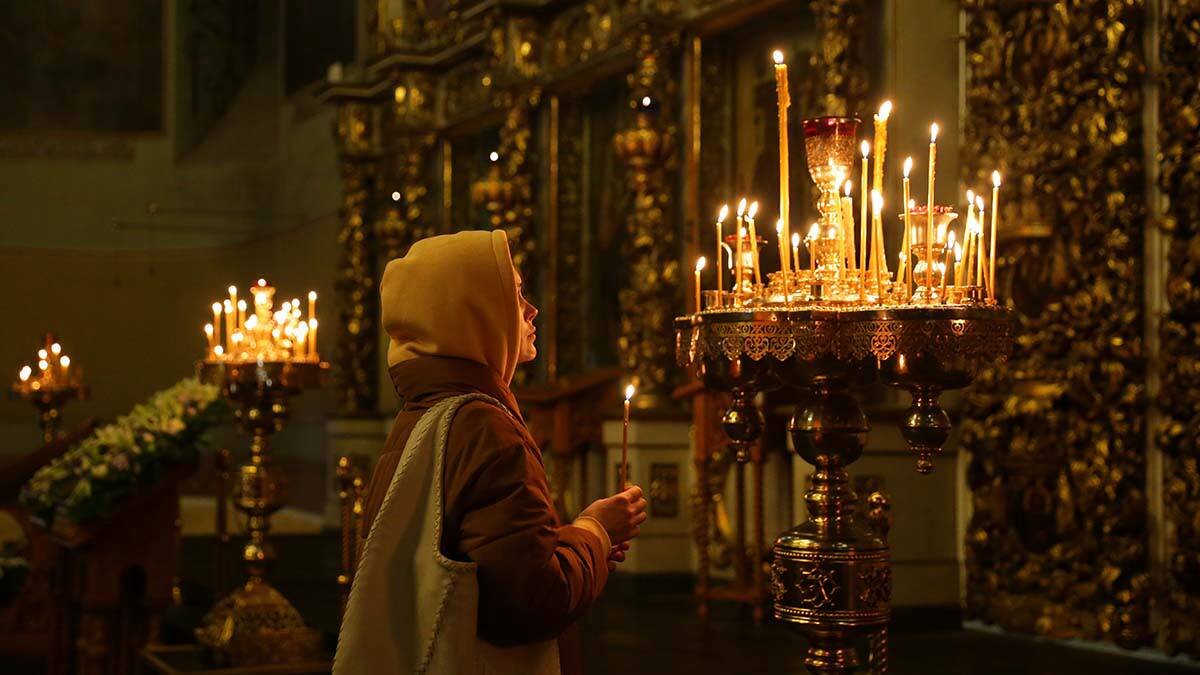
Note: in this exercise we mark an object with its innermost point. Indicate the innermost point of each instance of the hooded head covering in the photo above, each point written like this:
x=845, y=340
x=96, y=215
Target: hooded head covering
x=454, y=296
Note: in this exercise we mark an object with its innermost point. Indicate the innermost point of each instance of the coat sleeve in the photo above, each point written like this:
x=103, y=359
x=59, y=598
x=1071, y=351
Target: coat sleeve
x=535, y=576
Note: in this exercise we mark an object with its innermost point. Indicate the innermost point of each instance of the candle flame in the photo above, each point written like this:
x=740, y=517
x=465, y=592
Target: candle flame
x=814, y=231
x=846, y=187
x=232, y=290
x=777, y=56
x=42, y=354
x=312, y=296
x=876, y=201
x=218, y=350
x=56, y=349
x=979, y=203
x=312, y=324
x=208, y=329
x=723, y=214
x=645, y=101
x=741, y=207
x=995, y=179
x=494, y=156
x=25, y=373
x=912, y=204
x=957, y=252
x=629, y=390
x=795, y=239
x=933, y=132
x=742, y=231
x=262, y=282
x=779, y=227
x=970, y=197
x=701, y=262
x=885, y=111
x=43, y=365
x=907, y=166
x=865, y=148
x=242, y=305
x=64, y=361
x=753, y=211
x=950, y=239
x=216, y=308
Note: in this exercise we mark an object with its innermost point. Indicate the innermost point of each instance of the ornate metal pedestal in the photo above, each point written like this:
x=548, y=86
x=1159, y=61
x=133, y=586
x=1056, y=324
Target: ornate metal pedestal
x=831, y=575
x=255, y=624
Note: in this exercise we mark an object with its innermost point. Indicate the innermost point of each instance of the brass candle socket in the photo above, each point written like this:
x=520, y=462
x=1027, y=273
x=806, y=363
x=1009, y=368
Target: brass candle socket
x=256, y=625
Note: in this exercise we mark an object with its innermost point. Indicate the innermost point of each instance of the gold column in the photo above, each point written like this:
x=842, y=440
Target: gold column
x=647, y=148
x=841, y=25
x=1179, y=332
x=359, y=149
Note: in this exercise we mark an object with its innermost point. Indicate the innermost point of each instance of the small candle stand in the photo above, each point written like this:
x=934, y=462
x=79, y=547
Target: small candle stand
x=844, y=322
x=260, y=361
x=50, y=386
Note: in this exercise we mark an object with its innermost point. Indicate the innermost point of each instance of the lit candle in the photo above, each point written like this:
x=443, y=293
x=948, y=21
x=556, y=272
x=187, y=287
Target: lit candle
x=905, y=258
x=862, y=226
x=43, y=364
x=216, y=308
x=881, y=120
x=65, y=362
x=783, y=256
x=784, y=101
x=233, y=303
x=929, y=204
x=992, y=246
x=699, y=267
x=219, y=351
x=796, y=246
x=877, y=252
x=957, y=258
x=56, y=349
x=312, y=304
x=813, y=233
x=230, y=327
x=312, y=338
x=979, y=280
x=208, y=332
x=754, y=242
x=949, y=249
x=25, y=373
x=741, y=234
x=625, y=439
x=241, y=315
x=847, y=233
x=721, y=242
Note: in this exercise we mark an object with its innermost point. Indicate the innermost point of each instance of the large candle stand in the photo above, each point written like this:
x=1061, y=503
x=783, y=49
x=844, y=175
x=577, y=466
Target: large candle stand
x=50, y=386
x=831, y=575
x=256, y=624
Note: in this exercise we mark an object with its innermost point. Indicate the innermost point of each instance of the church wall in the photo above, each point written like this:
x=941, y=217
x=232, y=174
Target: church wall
x=120, y=244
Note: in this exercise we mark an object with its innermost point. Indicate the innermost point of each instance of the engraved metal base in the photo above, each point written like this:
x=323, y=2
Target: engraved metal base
x=255, y=626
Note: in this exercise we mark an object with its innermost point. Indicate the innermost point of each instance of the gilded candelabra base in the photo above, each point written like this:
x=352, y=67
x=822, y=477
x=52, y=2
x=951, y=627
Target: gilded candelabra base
x=256, y=625
x=831, y=576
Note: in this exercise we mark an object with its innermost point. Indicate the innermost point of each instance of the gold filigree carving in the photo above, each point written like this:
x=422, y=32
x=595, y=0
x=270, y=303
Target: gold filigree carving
x=358, y=134
x=841, y=65
x=406, y=193
x=1057, y=543
x=816, y=586
x=1175, y=435
x=876, y=584
x=648, y=150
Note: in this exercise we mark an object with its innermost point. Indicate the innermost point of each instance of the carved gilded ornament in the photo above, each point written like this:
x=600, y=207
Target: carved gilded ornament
x=1057, y=543
x=1175, y=435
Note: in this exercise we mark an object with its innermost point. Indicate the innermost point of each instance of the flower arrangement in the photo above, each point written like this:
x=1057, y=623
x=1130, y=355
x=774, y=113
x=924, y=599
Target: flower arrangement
x=90, y=479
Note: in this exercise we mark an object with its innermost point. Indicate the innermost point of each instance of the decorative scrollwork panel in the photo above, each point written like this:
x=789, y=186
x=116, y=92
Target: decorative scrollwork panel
x=1057, y=543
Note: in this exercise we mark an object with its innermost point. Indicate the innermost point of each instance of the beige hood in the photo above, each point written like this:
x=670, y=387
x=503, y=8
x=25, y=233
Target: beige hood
x=454, y=295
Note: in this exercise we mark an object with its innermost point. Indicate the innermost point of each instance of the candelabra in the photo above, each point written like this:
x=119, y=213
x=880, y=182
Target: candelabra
x=844, y=322
x=264, y=360
x=51, y=386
